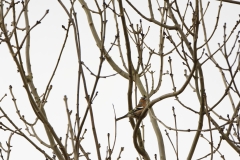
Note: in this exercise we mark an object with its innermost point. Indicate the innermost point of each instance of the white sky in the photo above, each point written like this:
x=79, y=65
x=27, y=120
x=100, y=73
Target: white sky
x=47, y=39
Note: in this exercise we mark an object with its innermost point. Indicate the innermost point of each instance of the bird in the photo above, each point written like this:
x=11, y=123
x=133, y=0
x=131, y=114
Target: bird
x=136, y=112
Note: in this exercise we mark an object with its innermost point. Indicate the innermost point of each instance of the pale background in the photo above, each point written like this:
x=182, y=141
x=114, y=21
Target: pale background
x=47, y=39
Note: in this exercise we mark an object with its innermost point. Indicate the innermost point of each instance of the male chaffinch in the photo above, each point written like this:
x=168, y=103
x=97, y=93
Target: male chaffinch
x=136, y=112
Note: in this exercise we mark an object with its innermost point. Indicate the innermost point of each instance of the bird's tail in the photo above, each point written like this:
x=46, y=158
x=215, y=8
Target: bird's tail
x=122, y=117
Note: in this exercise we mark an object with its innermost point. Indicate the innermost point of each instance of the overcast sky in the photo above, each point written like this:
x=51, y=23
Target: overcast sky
x=47, y=39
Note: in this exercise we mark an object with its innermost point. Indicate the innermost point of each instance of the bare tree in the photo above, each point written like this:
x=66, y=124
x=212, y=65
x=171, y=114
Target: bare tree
x=165, y=51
